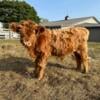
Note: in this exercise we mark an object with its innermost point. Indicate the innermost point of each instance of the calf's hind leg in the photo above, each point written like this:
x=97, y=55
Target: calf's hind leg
x=78, y=60
x=84, y=57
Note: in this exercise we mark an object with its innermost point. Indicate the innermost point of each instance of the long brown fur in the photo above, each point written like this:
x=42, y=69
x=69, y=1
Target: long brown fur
x=42, y=43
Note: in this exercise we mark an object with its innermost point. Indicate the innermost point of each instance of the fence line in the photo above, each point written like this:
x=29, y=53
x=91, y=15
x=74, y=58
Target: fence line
x=8, y=34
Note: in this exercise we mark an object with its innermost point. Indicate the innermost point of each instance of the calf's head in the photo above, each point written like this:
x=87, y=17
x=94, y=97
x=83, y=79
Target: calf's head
x=27, y=30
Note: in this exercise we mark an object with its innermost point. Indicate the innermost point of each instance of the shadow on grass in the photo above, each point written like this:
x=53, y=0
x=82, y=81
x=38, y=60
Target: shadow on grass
x=69, y=66
x=16, y=64
x=20, y=65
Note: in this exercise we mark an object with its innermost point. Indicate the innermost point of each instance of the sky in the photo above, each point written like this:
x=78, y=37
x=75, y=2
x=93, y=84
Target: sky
x=54, y=10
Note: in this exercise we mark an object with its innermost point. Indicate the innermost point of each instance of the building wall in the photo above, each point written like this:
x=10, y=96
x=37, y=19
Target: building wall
x=90, y=20
x=94, y=34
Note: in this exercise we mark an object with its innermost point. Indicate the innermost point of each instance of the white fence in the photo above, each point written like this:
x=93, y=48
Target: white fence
x=8, y=34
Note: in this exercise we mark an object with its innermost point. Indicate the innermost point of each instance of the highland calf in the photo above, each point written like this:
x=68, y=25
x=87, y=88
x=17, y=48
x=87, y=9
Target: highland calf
x=42, y=43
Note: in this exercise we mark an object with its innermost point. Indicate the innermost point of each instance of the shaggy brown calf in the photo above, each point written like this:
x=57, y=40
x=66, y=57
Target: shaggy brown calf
x=42, y=43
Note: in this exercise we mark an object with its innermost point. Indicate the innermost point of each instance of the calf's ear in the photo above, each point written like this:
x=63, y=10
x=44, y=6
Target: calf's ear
x=13, y=26
x=41, y=29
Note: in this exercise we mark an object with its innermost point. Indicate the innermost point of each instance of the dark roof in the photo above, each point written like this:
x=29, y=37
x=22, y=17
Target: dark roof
x=68, y=22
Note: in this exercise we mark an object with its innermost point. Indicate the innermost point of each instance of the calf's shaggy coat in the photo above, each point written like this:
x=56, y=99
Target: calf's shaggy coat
x=42, y=43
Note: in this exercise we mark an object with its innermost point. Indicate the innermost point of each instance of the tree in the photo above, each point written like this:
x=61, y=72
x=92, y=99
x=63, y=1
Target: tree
x=15, y=10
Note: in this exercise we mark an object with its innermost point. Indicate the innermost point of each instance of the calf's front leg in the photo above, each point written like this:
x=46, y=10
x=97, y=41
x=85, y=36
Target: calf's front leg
x=41, y=62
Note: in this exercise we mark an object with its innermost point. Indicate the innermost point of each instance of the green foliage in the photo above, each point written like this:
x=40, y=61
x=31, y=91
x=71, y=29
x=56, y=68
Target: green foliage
x=17, y=10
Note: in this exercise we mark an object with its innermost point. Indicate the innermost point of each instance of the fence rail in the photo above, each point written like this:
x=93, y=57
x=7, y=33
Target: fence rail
x=8, y=34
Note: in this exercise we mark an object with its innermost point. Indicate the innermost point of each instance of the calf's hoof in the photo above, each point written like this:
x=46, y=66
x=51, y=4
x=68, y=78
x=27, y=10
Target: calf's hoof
x=85, y=69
